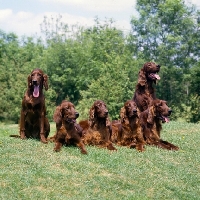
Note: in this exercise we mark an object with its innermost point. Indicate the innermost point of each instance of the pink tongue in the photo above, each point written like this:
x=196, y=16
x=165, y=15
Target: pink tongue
x=36, y=92
x=157, y=76
x=166, y=119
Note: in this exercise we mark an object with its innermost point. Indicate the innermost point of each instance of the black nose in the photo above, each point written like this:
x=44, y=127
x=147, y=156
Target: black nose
x=134, y=110
x=158, y=66
x=106, y=112
x=77, y=115
x=34, y=82
x=169, y=112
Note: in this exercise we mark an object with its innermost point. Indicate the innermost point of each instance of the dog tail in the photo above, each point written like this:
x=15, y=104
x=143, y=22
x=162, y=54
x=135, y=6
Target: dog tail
x=16, y=136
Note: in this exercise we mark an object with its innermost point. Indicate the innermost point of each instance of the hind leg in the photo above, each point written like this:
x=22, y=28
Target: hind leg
x=46, y=128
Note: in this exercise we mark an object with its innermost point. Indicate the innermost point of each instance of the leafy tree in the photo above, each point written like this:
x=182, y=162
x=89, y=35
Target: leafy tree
x=15, y=65
x=166, y=31
x=113, y=69
x=74, y=63
x=113, y=87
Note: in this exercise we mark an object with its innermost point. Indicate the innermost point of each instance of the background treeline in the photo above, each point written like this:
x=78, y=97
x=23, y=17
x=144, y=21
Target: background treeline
x=101, y=62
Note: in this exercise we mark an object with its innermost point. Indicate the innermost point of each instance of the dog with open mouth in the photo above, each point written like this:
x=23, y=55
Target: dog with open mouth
x=68, y=132
x=151, y=124
x=33, y=120
x=145, y=92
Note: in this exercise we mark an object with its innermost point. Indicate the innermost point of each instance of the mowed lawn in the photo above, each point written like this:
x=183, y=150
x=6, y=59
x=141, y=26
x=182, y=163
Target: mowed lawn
x=31, y=170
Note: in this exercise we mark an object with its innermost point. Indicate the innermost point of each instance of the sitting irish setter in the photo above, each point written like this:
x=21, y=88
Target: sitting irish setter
x=33, y=120
x=97, y=130
x=145, y=92
x=127, y=131
x=67, y=130
x=151, y=123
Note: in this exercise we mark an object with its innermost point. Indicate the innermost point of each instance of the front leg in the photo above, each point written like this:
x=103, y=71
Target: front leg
x=58, y=145
x=42, y=135
x=109, y=144
x=22, y=125
x=59, y=141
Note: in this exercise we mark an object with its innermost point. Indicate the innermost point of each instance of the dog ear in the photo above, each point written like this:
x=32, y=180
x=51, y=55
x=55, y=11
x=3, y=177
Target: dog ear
x=142, y=77
x=123, y=116
x=91, y=116
x=108, y=122
x=45, y=82
x=57, y=117
x=29, y=81
x=151, y=115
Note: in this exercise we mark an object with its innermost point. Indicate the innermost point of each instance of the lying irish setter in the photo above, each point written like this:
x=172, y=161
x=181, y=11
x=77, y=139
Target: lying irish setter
x=33, y=120
x=97, y=130
x=67, y=130
x=127, y=131
x=145, y=92
x=151, y=123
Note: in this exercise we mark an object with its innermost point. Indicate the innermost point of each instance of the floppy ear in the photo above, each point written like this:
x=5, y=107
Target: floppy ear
x=57, y=117
x=45, y=81
x=91, y=116
x=141, y=77
x=123, y=116
x=151, y=115
x=29, y=81
x=108, y=123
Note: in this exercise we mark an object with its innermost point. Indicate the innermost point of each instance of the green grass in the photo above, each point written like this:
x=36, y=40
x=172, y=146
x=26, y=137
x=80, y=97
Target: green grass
x=31, y=170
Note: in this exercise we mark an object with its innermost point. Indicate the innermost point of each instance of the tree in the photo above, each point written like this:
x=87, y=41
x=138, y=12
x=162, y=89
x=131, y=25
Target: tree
x=15, y=65
x=166, y=32
x=113, y=71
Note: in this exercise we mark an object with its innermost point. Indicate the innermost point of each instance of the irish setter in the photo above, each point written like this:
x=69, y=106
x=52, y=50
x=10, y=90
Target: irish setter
x=127, y=131
x=151, y=123
x=67, y=130
x=145, y=92
x=97, y=130
x=33, y=120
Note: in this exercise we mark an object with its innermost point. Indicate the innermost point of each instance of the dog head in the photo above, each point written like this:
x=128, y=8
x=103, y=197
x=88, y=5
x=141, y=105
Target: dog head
x=160, y=110
x=65, y=111
x=148, y=72
x=36, y=81
x=98, y=110
x=129, y=110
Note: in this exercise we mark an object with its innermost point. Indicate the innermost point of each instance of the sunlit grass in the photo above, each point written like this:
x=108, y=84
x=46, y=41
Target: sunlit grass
x=31, y=170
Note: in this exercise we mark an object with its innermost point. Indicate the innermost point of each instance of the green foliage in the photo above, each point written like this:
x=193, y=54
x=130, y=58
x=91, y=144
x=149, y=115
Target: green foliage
x=170, y=85
x=165, y=31
x=195, y=80
x=112, y=87
x=112, y=72
x=189, y=112
x=195, y=109
x=168, y=32
x=100, y=62
x=15, y=65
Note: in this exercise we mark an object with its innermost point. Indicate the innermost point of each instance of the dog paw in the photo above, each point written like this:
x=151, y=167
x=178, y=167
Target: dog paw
x=84, y=151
